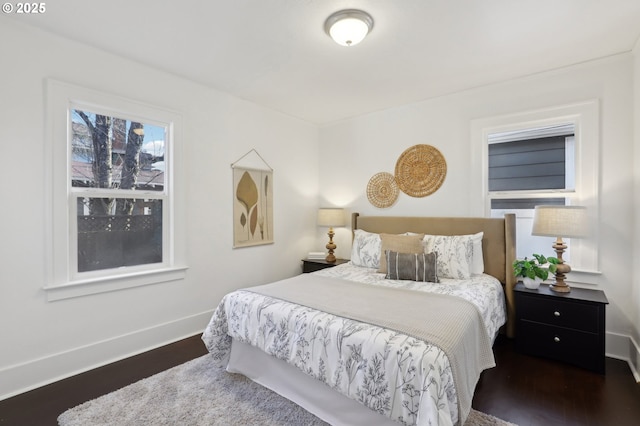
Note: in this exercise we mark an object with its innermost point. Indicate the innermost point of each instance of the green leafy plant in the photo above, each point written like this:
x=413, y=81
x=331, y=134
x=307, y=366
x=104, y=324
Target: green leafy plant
x=533, y=268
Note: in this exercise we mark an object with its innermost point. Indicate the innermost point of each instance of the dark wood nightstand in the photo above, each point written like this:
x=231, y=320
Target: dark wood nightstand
x=568, y=327
x=311, y=265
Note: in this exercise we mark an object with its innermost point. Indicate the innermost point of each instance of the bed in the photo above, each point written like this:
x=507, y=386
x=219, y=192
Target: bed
x=356, y=346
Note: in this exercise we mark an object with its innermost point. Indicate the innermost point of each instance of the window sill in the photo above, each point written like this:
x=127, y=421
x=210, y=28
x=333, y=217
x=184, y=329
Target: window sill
x=584, y=276
x=106, y=284
x=580, y=277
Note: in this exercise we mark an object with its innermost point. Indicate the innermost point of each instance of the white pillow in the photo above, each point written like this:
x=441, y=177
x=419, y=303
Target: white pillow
x=477, y=261
x=477, y=257
x=365, y=250
x=455, y=254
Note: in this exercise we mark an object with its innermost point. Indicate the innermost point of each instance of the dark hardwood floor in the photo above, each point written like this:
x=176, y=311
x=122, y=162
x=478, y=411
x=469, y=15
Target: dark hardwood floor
x=532, y=391
x=524, y=390
x=42, y=406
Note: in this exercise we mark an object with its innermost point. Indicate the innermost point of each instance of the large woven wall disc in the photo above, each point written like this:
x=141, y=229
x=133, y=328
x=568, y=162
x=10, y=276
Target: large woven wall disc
x=382, y=190
x=420, y=170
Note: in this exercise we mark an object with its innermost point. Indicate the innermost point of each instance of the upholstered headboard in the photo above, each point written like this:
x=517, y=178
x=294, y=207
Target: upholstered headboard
x=498, y=243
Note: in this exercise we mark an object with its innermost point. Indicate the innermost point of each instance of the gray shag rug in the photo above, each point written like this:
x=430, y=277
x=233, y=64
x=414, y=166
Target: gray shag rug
x=197, y=393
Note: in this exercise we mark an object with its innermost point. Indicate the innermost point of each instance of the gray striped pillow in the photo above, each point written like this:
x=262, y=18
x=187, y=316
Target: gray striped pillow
x=411, y=266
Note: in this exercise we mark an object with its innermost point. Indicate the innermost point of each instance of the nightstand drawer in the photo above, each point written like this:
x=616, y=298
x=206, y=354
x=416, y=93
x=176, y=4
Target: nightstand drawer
x=561, y=313
x=572, y=346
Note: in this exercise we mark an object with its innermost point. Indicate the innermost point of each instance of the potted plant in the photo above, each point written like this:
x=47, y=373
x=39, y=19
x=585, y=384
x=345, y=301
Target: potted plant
x=533, y=271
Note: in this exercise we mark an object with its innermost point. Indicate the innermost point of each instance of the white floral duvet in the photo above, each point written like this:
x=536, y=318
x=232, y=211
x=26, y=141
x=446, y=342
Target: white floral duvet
x=403, y=378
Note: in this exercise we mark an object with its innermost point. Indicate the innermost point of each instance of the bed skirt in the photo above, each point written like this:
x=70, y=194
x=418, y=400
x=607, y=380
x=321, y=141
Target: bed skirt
x=312, y=395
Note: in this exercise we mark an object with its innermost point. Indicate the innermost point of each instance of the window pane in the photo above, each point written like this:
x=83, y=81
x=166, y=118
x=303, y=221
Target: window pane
x=528, y=164
x=107, y=240
x=116, y=153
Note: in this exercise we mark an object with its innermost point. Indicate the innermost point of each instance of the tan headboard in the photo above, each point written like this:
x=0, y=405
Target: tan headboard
x=498, y=243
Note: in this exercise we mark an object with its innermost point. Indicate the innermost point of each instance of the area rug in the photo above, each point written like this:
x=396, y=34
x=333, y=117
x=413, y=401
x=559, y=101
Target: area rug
x=197, y=393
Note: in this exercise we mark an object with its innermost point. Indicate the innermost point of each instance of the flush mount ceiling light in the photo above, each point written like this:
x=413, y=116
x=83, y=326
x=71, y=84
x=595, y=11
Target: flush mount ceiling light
x=348, y=27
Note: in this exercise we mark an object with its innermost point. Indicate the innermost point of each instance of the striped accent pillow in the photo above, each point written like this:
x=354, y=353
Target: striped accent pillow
x=412, y=266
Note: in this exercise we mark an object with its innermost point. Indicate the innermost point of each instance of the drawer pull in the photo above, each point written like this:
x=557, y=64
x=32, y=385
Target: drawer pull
x=556, y=339
x=556, y=313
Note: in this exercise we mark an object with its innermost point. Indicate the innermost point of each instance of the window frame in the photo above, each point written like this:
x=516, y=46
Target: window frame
x=62, y=277
x=585, y=117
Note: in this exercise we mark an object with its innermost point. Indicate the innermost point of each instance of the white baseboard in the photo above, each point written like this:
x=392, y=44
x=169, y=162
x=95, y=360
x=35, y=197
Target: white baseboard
x=33, y=374
x=620, y=346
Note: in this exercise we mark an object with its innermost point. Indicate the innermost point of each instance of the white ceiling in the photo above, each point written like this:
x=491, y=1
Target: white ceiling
x=276, y=54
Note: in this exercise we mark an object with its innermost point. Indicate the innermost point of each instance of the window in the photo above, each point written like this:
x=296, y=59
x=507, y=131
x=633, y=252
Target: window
x=531, y=161
x=540, y=157
x=113, y=222
x=111, y=155
x=531, y=167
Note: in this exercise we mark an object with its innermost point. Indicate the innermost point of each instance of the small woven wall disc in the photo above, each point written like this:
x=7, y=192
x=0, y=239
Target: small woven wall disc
x=420, y=170
x=382, y=190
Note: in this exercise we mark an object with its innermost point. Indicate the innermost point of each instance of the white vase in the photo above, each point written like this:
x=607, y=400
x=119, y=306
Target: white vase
x=531, y=284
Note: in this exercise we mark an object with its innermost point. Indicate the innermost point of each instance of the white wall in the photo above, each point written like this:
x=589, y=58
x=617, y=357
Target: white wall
x=370, y=144
x=41, y=341
x=634, y=349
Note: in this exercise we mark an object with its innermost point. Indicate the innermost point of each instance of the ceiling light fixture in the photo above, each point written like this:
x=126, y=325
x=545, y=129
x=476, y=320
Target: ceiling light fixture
x=348, y=27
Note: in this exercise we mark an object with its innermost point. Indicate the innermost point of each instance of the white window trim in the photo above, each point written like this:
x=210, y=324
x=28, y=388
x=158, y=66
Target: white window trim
x=586, y=118
x=62, y=281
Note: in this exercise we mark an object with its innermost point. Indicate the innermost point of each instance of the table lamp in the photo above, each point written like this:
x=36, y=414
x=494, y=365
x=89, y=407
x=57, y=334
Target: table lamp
x=560, y=221
x=331, y=218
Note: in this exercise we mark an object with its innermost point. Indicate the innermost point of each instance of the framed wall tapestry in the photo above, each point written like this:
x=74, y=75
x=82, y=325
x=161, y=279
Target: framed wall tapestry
x=252, y=201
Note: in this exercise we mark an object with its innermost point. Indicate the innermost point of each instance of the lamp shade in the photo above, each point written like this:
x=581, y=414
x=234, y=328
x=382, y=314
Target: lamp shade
x=331, y=217
x=560, y=221
x=348, y=27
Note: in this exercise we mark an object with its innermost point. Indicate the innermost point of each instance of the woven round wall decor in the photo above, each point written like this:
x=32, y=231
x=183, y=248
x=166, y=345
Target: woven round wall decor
x=420, y=170
x=382, y=190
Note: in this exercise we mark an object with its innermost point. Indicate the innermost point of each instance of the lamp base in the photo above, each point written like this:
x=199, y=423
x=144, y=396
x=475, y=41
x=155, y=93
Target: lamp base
x=331, y=258
x=560, y=288
x=562, y=269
